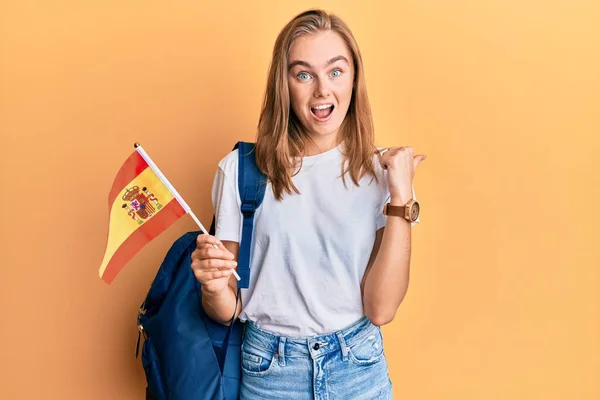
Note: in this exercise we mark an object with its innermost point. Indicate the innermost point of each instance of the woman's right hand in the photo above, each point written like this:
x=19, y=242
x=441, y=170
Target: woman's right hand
x=212, y=266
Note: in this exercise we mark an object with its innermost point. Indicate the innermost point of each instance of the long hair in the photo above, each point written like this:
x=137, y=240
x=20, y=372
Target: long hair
x=280, y=137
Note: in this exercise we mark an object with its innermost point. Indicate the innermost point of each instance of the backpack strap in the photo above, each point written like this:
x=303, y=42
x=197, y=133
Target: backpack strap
x=252, y=185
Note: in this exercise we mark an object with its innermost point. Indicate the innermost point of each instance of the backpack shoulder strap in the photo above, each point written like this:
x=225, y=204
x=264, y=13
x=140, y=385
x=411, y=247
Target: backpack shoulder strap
x=252, y=185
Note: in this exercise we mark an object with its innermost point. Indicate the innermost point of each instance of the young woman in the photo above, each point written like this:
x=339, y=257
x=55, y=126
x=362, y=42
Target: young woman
x=329, y=265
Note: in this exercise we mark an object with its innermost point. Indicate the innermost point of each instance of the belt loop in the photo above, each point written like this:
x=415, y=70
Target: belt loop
x=343, y=345
x=281, y=351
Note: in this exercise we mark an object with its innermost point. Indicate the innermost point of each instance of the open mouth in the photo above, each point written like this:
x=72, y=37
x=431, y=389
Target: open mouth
x=322, y=111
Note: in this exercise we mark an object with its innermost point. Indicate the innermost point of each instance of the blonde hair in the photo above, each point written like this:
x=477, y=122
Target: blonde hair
x=280, y=137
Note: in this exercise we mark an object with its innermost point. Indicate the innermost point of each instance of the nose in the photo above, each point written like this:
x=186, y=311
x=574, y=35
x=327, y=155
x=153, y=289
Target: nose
x=322, y=89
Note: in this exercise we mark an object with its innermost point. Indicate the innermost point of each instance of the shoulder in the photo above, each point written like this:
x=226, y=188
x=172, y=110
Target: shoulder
x=229, y=164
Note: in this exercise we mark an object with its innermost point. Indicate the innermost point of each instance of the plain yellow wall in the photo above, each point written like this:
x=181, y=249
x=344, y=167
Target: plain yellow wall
x=502, y=96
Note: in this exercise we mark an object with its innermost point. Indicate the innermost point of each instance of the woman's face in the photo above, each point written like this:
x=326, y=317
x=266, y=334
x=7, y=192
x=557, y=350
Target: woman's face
x=320, y=80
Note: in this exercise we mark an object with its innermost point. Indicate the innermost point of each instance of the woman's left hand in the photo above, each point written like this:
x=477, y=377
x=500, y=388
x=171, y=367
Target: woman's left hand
x=401, y=165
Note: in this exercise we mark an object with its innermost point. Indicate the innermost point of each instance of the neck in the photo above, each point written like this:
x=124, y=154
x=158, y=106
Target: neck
x=314, y=145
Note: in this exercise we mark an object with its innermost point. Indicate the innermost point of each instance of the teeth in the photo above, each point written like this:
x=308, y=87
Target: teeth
x=322, y=106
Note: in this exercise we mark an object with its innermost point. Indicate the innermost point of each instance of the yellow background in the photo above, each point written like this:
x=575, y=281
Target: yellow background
x=501, y=95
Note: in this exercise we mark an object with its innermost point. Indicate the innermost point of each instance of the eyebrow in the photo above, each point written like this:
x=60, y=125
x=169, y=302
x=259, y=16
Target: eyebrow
x=307, y=65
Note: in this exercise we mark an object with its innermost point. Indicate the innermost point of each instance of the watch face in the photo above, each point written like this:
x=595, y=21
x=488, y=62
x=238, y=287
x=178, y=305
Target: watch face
x=414, y=212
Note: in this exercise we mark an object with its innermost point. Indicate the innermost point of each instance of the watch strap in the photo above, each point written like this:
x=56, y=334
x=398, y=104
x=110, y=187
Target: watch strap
x=396, y=211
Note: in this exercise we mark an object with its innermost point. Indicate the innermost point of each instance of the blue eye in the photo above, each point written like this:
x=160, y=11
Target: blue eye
x=303, y=76
x=336, y=73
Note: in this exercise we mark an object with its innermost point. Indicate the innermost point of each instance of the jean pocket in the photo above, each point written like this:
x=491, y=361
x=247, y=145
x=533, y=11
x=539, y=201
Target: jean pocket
x=256, y=362
x=367, y=350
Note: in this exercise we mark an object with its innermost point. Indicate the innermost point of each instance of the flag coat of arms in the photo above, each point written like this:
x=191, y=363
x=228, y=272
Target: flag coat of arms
x=142, y=204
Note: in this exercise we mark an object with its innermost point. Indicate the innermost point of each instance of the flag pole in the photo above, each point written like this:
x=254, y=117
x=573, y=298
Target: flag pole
x=138, y=147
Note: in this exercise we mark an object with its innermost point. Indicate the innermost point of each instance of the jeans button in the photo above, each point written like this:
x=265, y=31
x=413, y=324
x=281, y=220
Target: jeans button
x=316, y=346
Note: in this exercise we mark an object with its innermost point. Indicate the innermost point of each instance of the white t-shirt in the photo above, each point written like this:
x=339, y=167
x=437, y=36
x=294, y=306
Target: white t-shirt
x=309, y=251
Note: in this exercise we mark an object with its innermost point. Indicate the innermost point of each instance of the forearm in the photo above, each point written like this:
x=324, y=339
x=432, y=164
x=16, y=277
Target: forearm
x=220, y=307
x=387, y=282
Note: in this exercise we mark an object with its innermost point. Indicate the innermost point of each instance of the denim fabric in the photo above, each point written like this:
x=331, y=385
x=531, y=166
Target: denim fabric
x=345, y=365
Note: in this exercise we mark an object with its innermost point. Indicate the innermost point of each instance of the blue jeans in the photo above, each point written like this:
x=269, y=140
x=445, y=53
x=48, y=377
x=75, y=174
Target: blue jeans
x=346, y=365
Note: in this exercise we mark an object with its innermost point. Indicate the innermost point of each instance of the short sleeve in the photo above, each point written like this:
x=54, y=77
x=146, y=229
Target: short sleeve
x=226, y=207
x=382, y=219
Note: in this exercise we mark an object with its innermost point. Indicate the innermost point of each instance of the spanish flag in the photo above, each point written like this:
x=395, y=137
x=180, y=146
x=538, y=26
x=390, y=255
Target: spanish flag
x=142, y=204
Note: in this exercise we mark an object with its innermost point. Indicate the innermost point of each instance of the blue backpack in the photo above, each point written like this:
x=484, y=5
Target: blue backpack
x=186, y=355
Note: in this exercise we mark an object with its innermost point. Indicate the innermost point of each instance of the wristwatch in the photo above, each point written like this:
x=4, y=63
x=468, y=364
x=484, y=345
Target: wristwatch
x=409, y=211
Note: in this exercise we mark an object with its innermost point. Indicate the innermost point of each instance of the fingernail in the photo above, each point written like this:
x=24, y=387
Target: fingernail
x=234, y=264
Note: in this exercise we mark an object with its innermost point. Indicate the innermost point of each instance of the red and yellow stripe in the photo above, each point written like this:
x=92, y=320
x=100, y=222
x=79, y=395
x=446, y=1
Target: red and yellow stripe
x=128, y=234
